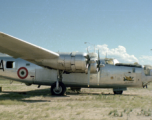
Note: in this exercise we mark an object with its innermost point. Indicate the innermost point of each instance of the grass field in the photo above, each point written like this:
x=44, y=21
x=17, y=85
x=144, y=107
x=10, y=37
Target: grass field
x=18, y=101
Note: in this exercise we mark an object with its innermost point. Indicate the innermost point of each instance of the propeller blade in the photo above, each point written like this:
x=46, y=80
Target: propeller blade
x=89, y=74
x=98, y=77
x=98, y=55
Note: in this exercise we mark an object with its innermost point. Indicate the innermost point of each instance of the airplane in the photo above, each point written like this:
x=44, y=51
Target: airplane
x=31, y=64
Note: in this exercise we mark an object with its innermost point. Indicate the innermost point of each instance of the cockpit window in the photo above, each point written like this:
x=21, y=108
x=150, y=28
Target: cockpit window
x=147, y=70
x=10, y=64
x=109, y=61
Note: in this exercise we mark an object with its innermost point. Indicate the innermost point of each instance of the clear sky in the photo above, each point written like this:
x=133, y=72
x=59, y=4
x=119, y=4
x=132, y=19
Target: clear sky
x=122, y=28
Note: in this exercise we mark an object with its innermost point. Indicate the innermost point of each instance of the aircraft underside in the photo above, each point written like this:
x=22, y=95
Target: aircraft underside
x=45, y=76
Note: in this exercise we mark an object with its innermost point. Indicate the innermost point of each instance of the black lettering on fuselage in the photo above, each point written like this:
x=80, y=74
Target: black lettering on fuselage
x=1, y=65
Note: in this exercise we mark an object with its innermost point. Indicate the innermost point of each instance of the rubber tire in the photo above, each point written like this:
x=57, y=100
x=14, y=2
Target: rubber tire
x=53, y=86
x=118, y=92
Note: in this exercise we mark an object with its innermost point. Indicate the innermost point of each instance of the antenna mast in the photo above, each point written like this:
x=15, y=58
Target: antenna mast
x=90, y=44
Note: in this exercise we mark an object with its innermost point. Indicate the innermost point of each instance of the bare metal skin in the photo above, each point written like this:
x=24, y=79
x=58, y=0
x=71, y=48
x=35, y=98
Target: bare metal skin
x=31, y=64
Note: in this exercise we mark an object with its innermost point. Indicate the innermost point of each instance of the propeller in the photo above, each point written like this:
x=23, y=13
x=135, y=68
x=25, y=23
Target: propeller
x=98, y=66
x=93, y=59
x=89, y=74
x=89, y=62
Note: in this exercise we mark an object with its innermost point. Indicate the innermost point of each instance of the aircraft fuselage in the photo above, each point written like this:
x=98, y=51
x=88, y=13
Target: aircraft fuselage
x=110, y=76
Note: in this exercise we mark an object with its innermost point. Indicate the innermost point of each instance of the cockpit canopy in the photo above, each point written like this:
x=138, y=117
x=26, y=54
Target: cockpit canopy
x=148, y=70
x=109, y=61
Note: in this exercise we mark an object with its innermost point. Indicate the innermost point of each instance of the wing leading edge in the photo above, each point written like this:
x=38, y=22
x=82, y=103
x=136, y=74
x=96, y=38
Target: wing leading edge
x=20, y=49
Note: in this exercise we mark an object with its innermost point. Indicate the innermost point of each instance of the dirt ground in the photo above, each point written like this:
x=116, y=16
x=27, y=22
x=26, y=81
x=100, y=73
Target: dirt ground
x=18, y=101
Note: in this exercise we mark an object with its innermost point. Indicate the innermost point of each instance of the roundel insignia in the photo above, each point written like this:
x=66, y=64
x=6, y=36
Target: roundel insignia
x=22, y=72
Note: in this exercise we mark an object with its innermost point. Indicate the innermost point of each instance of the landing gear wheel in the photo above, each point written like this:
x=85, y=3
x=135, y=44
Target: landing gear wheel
x=118, y=92
x=60, y=91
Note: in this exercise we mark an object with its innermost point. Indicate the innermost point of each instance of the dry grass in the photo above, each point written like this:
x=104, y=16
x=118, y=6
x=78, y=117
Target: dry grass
x=18, y=101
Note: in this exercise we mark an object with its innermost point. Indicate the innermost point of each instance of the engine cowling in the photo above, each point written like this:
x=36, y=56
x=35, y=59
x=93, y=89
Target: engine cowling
x=74, y=62
x=92, y=61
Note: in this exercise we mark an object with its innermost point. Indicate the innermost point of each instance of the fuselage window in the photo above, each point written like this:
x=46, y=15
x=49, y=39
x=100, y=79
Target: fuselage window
x=10, y=64
x=27, y=64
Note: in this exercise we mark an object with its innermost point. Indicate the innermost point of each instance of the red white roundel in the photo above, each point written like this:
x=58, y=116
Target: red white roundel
x=22, y=73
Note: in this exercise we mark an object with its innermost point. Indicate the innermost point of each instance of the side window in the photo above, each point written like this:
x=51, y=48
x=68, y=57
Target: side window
x=10, y=64
x=27, y=64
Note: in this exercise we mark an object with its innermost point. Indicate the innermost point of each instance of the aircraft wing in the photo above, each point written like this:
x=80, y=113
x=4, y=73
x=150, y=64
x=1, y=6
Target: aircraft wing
x=20, y=49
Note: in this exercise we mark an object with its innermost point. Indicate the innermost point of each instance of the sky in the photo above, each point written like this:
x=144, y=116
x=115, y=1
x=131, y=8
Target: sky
x=120, y=28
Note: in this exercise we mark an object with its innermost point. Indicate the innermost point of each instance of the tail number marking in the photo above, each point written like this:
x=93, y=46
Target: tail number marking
x=22, y=72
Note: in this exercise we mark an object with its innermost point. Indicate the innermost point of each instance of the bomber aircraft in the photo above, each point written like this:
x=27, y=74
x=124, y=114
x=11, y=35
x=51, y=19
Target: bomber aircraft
x=31, y=64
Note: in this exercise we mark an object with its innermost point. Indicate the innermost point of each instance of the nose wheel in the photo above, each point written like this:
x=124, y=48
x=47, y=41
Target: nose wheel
x=58, y=91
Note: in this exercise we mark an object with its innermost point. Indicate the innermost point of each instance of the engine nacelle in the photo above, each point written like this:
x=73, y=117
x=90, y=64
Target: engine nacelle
x=93, y=63
x=93, y=68
x=71, y=62
x=75, y=62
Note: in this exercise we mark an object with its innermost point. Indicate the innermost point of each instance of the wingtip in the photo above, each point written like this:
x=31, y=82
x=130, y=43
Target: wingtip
x=2, y=32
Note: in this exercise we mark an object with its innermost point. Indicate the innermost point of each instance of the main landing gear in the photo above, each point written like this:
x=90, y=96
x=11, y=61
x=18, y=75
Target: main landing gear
x=58, y=88
x=118, y=92
x=58, y=91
